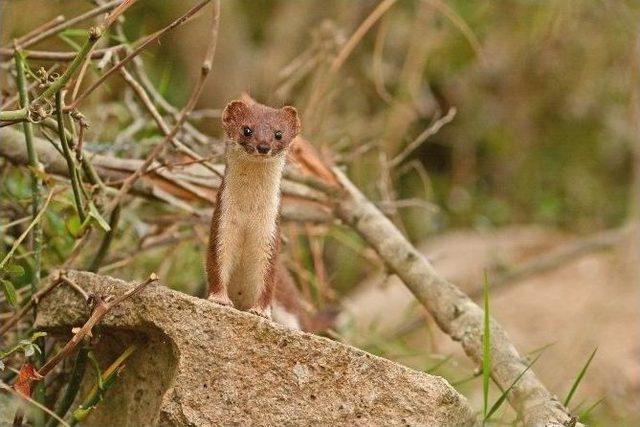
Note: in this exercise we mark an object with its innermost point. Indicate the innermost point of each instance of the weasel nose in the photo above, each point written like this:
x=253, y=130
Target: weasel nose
x=263, y=148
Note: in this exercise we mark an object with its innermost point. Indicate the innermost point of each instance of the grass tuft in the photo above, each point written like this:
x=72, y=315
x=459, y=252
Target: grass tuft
x=581, y=374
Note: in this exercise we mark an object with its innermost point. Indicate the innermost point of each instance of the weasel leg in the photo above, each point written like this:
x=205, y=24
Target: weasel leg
x=262, y=312
x=221, y=298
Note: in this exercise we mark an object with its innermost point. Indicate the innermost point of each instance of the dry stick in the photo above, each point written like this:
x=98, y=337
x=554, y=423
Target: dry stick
x=459, y=23
x=161, y=123
x=45, y=55
x=70, y=23
x=145, y=82
x=24, y=41
x=33, y=301
x=73, y=285
x=346, y=50
x=180, y=195
x=6, y=387
x=205, y=70
x=455, y=313
x=555, y=258
x=94, y=35
x=149, y=39
x=101, y=308
x=430, y=131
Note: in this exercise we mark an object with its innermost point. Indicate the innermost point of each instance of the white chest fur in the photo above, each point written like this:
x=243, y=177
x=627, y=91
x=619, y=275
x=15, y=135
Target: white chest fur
x=247, y=229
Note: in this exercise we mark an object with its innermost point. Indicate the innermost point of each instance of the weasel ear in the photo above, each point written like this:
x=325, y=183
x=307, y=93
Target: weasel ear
x=290, y=116
x=233, y=116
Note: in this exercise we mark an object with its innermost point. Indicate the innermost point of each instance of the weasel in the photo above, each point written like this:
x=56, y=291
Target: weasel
x=242, y=257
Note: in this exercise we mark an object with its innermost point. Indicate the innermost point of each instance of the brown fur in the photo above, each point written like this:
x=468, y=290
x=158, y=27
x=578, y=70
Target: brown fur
x=263, y=122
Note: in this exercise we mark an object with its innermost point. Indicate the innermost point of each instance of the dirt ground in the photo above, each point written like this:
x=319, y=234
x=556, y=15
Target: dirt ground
x=591, y=301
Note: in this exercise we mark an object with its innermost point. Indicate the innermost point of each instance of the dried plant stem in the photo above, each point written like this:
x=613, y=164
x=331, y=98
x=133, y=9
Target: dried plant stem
x=33, y=301
x=100, y=309
x=139, y=90
x=205, y=70
x=45, y=55
x=430, y=131
x=149, y=39
x=94, y=35
x=42, y=35
x=71, y=164
x=27, y=39
x=31, y=402
x=345, y=52
x=73, y=386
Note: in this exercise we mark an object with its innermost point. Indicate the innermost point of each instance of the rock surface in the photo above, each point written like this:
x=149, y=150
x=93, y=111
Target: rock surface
x=197, y=363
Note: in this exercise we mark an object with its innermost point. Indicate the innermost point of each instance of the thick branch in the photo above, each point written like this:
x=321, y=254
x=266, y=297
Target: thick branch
x=183, y=187
x=456, y=314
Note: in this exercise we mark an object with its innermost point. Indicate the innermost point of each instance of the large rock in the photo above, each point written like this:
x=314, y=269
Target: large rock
x=201, y=364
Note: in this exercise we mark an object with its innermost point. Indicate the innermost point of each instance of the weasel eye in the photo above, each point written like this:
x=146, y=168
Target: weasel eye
x=278, y=135
x=247, y=131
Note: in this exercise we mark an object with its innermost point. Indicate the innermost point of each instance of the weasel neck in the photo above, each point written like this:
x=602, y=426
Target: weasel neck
x=257, y=180
x=248, y=226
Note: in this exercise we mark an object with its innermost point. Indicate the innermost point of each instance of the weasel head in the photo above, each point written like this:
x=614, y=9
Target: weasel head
x=262, y=132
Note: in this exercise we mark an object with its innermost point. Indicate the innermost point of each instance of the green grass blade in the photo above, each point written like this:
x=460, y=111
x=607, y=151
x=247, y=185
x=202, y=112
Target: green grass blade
x=584, y=414
x=581, y=374
x=486, y=348
x=503, y=397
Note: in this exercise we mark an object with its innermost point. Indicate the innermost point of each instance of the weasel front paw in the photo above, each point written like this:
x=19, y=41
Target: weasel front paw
x=222, y=299
x=262, y=312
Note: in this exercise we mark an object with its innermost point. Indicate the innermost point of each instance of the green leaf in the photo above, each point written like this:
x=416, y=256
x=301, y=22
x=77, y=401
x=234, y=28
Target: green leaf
x=9, y=292
x=486, y=348
x=74, y=226
x=29, y=350
x=14, y=271
x=93, y=213
x=503, y=397
x=75, y=32
x=581, y=374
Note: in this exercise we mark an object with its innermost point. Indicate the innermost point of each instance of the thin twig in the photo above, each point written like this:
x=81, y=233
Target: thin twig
x=149, y=39
x=69, y=23
x=95, y=34
x=420, y=139
x=101, y=308
x=346, y=51
x=26, y=39
x=205, y=70
x=33, y=301
x=29, y=400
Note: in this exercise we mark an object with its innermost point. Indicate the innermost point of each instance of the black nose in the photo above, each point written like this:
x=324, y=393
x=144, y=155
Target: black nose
x=263, y=148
